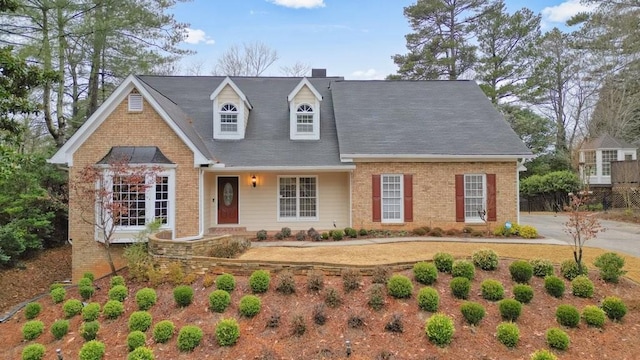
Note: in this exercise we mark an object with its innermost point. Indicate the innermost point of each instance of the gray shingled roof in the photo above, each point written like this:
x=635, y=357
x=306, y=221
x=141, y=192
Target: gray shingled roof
x=606, y=141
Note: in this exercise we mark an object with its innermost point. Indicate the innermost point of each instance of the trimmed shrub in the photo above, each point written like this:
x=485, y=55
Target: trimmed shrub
x=428, y=299
x=227, y=332
x=136, y=339
x=399, y=286
x=301, y=235
x=351, y=232
x=92, y=350
x=163, y=331
x=324, y=236
x=542, y=267
x=485, y=259
x=569, y=269
x=567, y=315
x=614, y=307
x=259, y=281
x=436, y=232
x=363, y=232
x=610, y=265
x=141, y=353
x=582, y=287
x=116, y=280
x=226, y=282
x=439, y=329
x=189, y=279
x=286, y=232
x=89, y=330
x=419, y=231
x=249, y=306
x=492, y=290
x=208, y=281
x=58, y=294
x=425, y=273
x=521, y=271
x=91, y=312
x=118, y=292
x=395, y=325
x=315, y=281
x=31, y=310
x=298, y=325
x=85, y=282
x=146, y=298
x=463, y=268
x=189, y=338
x=554, y=286
x=32, y=329
x=86, y=292
x=557, y=339
x=381, y=274
x=183, y=295
x=285, y=283
x=376, y=296
x=72, y=307
x=319, y=314
x=219, y=300
x=593, y=316
x=332, y=298
x=528, y=232
x=472, y=312
x=113, y=309
x=33, y=352
x=443, y=262
x=274, y=320
x=543, y=355
x=510, y=309
x=460, y=287
x=351, y=279
x=508, y=334
x=140, y=320
x=337, y=235
x=261, y=235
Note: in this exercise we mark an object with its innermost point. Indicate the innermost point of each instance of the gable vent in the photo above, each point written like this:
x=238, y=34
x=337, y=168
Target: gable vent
x=135, y=102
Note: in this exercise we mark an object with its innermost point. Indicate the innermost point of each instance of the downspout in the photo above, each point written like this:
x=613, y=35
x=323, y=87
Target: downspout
x=351, y=198
x=520, y=167
x=200, y=209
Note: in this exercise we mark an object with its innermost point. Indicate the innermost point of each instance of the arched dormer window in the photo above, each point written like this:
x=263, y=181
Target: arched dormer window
x=304, y=119
x=229, y=118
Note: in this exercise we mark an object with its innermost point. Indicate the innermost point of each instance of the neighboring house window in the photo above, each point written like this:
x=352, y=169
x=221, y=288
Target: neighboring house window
x=298, y=197
x=474, y=197
x=138, y=203
x=607, y=157
x=589, y=162
x=229, y=118
x=391, y=198
x=304, y=119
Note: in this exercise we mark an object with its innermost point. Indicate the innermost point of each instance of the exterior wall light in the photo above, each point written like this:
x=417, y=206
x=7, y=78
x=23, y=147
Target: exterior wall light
x=254, y=181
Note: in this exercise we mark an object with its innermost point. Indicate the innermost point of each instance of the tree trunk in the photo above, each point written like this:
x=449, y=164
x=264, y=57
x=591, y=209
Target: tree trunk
x=62, y=122
x=97, y=48
x=107, y=249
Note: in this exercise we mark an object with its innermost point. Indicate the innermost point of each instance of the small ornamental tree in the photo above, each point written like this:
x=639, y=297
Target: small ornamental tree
x=581, y=225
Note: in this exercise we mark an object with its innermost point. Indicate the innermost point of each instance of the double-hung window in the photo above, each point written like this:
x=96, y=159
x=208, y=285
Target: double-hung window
x=607, y=157
x=304, y=119
x=229, y=118
x=298, y=198
x=475, y=200
x=392, y=197
x=137, y=202
x=590, y=163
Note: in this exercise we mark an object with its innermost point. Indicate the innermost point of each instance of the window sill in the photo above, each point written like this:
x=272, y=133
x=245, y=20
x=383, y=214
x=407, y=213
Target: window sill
x=402, y=223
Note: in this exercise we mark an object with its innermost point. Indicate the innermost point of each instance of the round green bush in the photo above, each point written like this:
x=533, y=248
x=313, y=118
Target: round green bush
x=189, y=338
x=543, y=355
x=554, y=286
x=140, y=320
x=85, y=282
x=92, y=350
x=32, y=310
x=163, y=331
x=485, y=259
x=146, y=298
x=259, y=281
x=249, y=305
x=89, y=275
x=425, y=273
x=72, y=307
x=508, y=334
x=567, y=315
x=116, y=280
x=521, y=271
x=33, y=352
x=492, y=290
x=118, y=292
x=523, y=293
x=227, y=332
x=541, y=267
x=141, y=353
x=136, y=339
x=60, y=328
x=557, y=339
x=113, y=309
x=219, y=300
x=86, y=292
x=226, y=282
x=91, y=312
x=439, y=329
x=32, y=329
x=510, y=309
x=443, y=262
x=593, y=316
x=58, y=294
x=463, y=268
x=614, y=307
x=582, y=287
x=569, y=269
x=399, y=286
x=89, y=330
x=472, y=312
x=183, y=295
x=610, y=265
x=428, y=299
x=460, y=287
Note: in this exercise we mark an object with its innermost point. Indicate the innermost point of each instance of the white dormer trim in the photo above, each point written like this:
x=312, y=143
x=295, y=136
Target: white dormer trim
x=301, y=84
x=295, y=103
x=242, y=110
x=223, y=84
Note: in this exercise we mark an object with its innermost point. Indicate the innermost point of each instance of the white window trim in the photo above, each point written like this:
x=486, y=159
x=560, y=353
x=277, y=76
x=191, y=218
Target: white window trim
x=601, y=168
x=382, y=218
x=298, y=217
x=228, y=112
x=293, y=120
x=217, y=123
x=475, y=219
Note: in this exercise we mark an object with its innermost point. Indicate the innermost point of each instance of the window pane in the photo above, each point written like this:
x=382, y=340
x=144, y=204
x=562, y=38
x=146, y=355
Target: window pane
x=288, y=193
x=607, y=157
x=229, y=122
x=307, y=197
x=162, y=199
x=391, y=197
x=128, y=202
x=473, y=196
x=590, y=162
x=305, y=123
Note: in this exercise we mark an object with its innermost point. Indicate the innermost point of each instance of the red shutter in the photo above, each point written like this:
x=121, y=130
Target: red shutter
x=460, y=198
x=408, y=197
x=375, y=186
x=491, y=197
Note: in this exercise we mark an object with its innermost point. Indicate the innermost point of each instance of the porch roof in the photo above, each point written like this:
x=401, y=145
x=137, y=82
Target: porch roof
x=135, y=155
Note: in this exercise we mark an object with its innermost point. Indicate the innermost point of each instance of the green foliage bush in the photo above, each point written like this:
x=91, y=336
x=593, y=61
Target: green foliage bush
x=376, y=296
x=219, y=300
x=32, y=329
x=332, y=298
x=363, y=232
x=139, y=261
x=250, y=306
x=315, y=280
x=351, y=232
x=140, y=320
x=554, y=286
x=261, y=235
x=286, y=232
x=400, y=287
x=472, y=312
x=439, y=329
x=31, y=310
x=492, y=290
x=337, y=235
x=118, y=292
x=113, y=309
x=33, y=352
x=521, y=271
x=91, y=311
x=543, y=355
x=508, y=334
x=425, y=273
x=60, y=328
x=116, y=280
x=557, y=339
x=72, y=307
x=146, y=298
x=92, y=350
x=443, y=262
x=542, y=267
x=285, y=283
x=564, y=181
x=569, y=269
x=183, y=295
x=189, y=338
x=460, y=287
x=610, y=265
x=510, y=309
x=163, y=331
x=523, y=293
x=86, y=281
x=351, y=279
x=259, y=281
x=428, y=299
x=86, y=292
x=226, y=282
x=567, y=315
x=614, y=307
x=463, y=268
x=227, y=332
x=141, y=353
x=582, y=287
x=89, y=330
x=593, y=316
x=58, y=294
x=528, y=232
x=136, y=339
x=485, y=259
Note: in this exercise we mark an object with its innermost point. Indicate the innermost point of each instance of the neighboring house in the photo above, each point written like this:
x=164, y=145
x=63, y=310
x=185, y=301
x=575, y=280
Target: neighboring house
x=268, y=152
x=597, y=155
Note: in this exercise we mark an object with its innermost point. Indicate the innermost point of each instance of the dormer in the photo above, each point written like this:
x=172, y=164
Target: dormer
x=230, y=111
x=304, y=112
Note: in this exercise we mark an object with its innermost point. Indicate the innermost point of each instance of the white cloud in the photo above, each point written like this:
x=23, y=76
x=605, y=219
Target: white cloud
x=298, y=4
x=370, y=74
x=197, y=36
x=564, y=11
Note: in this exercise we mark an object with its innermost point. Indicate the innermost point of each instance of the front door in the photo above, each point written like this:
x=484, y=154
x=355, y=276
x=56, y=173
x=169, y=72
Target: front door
x=227, y=200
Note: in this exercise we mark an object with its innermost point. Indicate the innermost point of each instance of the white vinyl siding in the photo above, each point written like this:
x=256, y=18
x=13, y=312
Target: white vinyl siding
x=297, y=197
x=474, y=197
x=391, y=198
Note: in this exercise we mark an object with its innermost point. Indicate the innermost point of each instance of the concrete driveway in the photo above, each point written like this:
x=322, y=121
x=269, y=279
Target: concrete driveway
x=618, y=236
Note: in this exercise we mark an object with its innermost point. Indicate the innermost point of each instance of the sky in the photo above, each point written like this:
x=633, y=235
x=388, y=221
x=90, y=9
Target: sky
x=350, y=38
